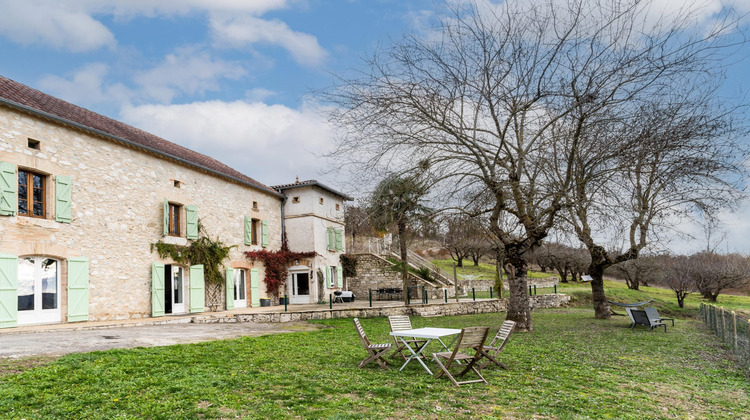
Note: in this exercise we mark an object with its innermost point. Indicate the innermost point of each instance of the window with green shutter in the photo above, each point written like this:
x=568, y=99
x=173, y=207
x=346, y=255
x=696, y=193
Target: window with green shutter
x=78, y=289
x=157, y=289
x=339, y=240
x=8, y=290
x=264, y=233
x=8, y=189
x=191, y=217
x=62, y=199
x=339, y=276
x=331, y=239
x=248, y=230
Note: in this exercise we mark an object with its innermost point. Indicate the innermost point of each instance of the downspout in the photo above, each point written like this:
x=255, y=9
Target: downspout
x=283, y=221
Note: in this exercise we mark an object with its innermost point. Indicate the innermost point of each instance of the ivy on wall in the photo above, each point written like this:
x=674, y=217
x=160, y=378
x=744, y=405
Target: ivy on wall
x=349, y=265
x=276, y=263
x=204, y=250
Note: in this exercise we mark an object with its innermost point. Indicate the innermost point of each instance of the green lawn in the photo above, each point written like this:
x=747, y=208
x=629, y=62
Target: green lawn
x=487, y=271
x=571, y=366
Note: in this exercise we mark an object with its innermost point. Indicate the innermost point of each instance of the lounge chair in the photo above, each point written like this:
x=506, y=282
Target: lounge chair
x=471, y=338
x=375, y=351
x=641, y=317
x=498, y=343
x=654, y=314
x=403, y=323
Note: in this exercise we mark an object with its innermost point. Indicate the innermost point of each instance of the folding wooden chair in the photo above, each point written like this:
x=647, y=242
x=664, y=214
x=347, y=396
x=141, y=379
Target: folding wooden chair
x=498, y=343
x=403, y=323
x=375, y=351
x=471, y=338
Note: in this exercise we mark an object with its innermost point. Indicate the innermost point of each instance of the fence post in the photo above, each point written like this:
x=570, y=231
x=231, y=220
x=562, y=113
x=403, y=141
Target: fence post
x=555, y=288
x=535, y=289
x=445, y=292
x=734, y=331
x=723, y=327
x=473, y=294
x=455, y=280
x=490, y=292
x=370, y=297
x=286, y=302
x=330, y=301
x=529, y=290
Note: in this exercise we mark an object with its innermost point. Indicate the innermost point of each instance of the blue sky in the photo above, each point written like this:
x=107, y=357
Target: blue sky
x=229, y=78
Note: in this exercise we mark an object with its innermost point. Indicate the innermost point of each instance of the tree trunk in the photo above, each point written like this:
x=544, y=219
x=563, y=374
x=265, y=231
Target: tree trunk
x=460, y=262
x=519, y=309
x=499, y=264
x=476, y=261
x=404, y=264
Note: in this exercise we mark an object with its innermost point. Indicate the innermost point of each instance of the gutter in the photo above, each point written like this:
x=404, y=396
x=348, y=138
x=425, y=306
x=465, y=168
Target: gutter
x=61, y=120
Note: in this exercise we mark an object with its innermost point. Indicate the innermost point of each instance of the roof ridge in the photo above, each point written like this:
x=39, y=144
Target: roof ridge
x=30, y=99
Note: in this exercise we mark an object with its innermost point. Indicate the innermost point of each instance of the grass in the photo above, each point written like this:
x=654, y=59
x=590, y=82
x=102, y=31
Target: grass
x=572, y=366
x=487, y=271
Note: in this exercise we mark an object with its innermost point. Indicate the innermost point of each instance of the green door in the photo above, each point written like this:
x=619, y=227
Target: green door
x=254, y=288
x=157, y=289
x=78, y=289
x=197, y=290
x=8, y=290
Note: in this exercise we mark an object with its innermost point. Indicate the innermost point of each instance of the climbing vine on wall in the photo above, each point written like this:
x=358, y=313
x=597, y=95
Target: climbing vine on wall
x=349, y=265
x=204, y=250
x=276, y=263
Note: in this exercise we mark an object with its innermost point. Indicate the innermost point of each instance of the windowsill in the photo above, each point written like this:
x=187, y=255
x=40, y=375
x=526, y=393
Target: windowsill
x=174, y=240
x=35, y=221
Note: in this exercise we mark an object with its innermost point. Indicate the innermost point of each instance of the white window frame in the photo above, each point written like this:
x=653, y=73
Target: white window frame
x=332, y=277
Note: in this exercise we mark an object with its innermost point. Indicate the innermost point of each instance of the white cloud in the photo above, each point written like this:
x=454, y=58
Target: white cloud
x=239, y=31
x=52, y=23
x=87, y=87
x=187, y=70
x=271, y=143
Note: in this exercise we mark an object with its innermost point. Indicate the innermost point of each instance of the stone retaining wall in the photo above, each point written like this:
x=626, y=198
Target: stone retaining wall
x=429, y=310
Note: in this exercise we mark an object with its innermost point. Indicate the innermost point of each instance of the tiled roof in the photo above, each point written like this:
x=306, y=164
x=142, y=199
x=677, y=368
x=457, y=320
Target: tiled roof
x=19, y=96
x=311, y=182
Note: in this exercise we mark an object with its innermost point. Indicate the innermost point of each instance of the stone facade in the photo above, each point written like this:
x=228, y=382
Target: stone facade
x=118, y=193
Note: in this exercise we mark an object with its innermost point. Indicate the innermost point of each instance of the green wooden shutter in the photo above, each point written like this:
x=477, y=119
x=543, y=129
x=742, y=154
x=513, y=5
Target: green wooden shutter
x=165, y=219
x=230, y=288
x=157, y=289
x=339, y=276
x=339, y=239
x=264, y=233
x=248, y=230
x=254, y=288
x=62, y=199
x=78, y=289
x=328, y=276
x=331, y=239
x=191, y=215
x=8, y=290
x=8, y=190
x=197, y=292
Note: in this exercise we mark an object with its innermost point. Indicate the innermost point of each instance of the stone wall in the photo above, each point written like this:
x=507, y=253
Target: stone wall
x=375, y=272
x=429, y=310
x=117, y=205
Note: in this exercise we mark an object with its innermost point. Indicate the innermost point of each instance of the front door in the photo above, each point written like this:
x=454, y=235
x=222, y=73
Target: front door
x=240, y=288
x=174, y=290
x=300, y=287
x=38, y=290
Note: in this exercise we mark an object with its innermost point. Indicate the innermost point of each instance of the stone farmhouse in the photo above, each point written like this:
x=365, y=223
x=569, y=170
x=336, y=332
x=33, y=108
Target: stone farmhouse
x=84, y=196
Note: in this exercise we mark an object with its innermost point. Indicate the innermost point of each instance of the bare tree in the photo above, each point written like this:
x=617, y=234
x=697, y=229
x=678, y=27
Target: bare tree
x=715, y=273
x=636, y=271
x=357, y=222
x=679, y=275
x=497, y=98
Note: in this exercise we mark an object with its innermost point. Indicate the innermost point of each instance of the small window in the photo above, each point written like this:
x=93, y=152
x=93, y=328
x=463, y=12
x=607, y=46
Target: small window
x=177, y=183
x=295, y=200
x=332, y=276
x=34, y=144
x=338, y=207
x=31, y=193
x=255, y=205
x=321, y=200
x=256, y=232
x=174, y=219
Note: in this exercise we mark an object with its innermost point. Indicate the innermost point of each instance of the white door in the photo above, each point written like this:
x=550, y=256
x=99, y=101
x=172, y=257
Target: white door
x=38, y=290
x=300, y=286
x=176, y=295
x=240, y=288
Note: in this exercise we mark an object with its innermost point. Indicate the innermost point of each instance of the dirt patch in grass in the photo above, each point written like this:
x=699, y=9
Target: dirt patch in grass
x=15, y=366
